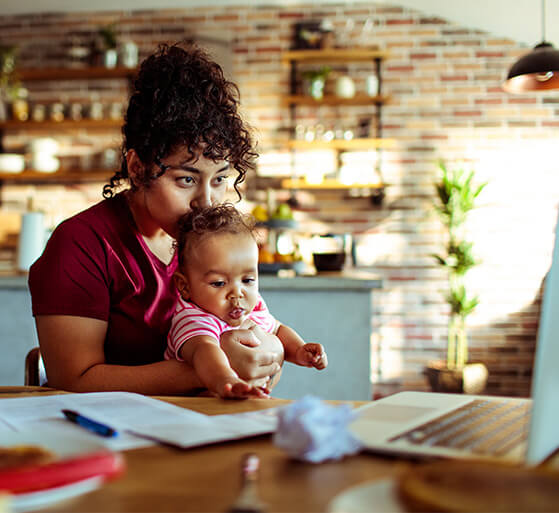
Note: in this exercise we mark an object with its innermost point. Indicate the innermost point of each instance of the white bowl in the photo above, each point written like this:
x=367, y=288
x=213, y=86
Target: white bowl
x=45, y=163
x=44, y=145
x=11, y=163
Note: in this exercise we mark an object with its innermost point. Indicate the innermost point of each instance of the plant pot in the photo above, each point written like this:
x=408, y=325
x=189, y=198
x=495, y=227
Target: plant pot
x=315, y=87
x=471, y=379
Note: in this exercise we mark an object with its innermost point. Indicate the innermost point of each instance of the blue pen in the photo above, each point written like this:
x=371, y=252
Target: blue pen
x=90, y=424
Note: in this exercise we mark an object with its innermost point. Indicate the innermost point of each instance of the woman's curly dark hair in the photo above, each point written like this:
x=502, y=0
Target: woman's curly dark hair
x=181, y=98
x=197, y=223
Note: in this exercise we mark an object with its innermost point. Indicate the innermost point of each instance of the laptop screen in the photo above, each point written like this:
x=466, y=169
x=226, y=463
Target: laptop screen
x=544, y=431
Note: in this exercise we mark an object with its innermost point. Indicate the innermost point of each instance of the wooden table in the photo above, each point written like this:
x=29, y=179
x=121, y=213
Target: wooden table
x=160, y=479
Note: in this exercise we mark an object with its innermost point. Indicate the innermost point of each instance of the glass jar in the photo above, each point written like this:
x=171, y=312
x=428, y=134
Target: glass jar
x=20, y=106
x=57, y=112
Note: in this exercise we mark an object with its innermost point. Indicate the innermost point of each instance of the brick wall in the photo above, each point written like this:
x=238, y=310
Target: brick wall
x=444, y=80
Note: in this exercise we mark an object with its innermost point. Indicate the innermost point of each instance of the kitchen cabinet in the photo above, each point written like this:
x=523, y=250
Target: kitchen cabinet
x=18, y=328
x=298, y=59
x=335, y=310
x=52, y=128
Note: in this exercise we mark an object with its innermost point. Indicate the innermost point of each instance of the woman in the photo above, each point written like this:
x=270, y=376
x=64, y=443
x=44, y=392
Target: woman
x=102, y=291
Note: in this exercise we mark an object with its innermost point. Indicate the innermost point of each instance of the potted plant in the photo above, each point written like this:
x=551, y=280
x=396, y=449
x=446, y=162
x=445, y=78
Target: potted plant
x=455, y=198
x=10, y=85
x=109, y=43
x=314, y=81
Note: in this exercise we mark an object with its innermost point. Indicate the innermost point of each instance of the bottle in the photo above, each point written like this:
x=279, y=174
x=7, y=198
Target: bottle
x=20, y=106
x=372, y=85
x=31, y=237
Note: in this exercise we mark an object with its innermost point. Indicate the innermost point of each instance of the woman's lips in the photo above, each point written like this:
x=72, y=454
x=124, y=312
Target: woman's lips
x=236, y=313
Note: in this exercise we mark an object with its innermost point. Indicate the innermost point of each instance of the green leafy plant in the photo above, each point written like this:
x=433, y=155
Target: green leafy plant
x=108, y=36
x=317, y=79
x=9, y=82
x=455, y=198
x=320, y=73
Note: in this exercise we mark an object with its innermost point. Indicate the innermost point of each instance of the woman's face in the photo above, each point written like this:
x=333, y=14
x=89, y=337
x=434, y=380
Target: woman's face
x=186, y=183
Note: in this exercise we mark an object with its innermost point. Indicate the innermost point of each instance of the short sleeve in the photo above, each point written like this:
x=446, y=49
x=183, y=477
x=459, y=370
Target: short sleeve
x=262, y=316
x=70, y=277
x=189, y=322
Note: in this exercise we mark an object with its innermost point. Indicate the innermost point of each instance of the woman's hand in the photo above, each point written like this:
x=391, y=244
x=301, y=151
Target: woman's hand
x=254, y=354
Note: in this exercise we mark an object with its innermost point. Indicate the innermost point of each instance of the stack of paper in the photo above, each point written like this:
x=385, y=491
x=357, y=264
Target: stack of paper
x=140, y=420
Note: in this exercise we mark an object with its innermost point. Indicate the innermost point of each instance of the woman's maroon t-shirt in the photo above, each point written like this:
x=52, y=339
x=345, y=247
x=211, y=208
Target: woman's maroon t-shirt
x=96, y=264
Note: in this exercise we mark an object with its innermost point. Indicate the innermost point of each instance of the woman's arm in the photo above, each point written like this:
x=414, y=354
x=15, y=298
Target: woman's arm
x=73, y=352
x=254, y=354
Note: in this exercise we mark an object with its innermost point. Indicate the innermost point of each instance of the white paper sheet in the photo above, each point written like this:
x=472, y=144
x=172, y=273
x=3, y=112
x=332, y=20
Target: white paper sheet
x=127, y=412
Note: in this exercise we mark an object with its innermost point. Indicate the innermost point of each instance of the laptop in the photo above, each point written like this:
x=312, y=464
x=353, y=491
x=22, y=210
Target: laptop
x=425, y=424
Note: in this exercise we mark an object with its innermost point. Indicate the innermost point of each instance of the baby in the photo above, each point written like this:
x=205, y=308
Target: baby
x=218, y=282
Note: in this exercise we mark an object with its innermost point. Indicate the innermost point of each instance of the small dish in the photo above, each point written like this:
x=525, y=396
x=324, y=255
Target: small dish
x=11, y=163
x=366, y=498
x=42, y=498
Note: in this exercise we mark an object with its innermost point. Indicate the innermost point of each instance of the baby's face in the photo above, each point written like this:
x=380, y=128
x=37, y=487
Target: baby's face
x=222, y=276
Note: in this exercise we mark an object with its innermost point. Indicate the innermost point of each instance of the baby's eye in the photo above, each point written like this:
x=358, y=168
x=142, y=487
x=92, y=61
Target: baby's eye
x=248, y=280
x=217, y=284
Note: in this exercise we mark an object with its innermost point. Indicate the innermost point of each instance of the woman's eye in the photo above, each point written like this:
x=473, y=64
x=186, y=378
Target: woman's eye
x=186, y=180
x=219, y=180
x=217, y=284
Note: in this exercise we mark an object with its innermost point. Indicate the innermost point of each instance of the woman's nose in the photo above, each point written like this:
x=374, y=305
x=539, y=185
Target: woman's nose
x=202, y=198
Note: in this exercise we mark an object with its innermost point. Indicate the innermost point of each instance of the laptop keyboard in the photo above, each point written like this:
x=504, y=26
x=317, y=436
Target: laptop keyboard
x=491, y=427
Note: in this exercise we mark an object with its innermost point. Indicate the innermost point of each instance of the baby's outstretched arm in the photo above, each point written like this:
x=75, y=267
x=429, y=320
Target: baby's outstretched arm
x=296, y=351
x=312, y=355
x=213, y=369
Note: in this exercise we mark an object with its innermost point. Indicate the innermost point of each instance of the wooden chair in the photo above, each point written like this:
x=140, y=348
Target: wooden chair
x=35, y=373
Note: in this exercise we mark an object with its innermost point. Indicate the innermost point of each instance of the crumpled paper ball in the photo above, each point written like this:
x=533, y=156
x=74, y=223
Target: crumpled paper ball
x=311, y=430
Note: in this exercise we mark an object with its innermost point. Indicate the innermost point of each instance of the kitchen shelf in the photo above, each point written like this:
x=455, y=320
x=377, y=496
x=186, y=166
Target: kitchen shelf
x=358, y=99
x=28, y=75
x=327, y=184
x=334, y=55
x=303, y=58
x=73, y=175
x=342, y=144
x=69, y=124
x=61, y=176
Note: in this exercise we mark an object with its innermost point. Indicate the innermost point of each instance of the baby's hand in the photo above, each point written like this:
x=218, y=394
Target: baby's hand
x=239, y=389
x=312, y=355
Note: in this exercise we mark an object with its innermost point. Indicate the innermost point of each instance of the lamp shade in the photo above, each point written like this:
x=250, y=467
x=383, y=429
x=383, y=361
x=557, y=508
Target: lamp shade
x=535, y=71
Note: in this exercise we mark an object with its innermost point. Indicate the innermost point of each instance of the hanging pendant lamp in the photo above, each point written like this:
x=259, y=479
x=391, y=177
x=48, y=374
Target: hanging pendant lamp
x=536, y=71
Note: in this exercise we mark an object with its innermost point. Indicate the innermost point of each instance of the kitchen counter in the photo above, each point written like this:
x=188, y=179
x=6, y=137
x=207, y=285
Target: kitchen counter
x=347, y=280
x=13, y=281
x=334, y=309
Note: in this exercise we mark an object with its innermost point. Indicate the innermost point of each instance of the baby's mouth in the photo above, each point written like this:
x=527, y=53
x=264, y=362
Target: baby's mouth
x=236, y=313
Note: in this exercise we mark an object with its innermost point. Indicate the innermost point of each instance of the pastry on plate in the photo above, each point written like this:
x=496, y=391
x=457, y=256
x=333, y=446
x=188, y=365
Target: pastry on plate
x=23, y=455
x=452, y=486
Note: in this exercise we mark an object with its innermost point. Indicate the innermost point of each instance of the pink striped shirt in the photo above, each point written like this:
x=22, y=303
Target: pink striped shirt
x=190, y=321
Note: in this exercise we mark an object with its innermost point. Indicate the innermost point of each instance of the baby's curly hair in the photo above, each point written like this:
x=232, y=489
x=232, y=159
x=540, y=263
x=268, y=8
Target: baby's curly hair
x=181, y=98
x=197, y=223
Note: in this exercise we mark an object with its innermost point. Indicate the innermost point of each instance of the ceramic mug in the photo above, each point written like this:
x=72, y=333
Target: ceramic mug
x=345, y=87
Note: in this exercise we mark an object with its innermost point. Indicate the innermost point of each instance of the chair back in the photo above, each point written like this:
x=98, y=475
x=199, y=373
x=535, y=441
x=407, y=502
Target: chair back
x=35, y=373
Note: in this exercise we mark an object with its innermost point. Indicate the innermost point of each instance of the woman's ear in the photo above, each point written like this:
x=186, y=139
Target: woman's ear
x=135, y=167
x=182, y=284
